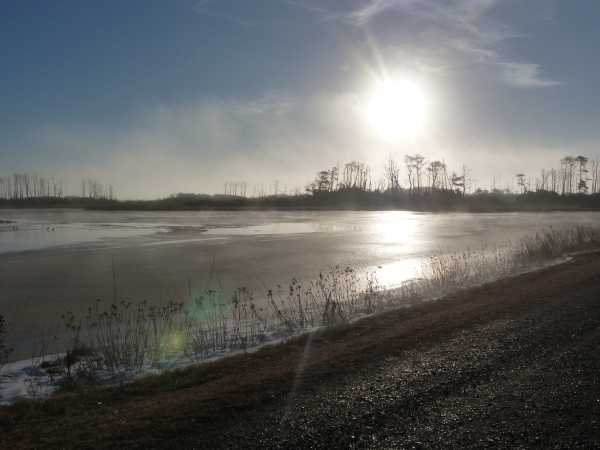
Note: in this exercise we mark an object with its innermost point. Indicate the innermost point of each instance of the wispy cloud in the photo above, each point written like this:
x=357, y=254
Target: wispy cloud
x=269, y=104
x=524, y=75
x=440, y=36
x=202, y=6
x=205, y=8
x=367, y=12
x=324, y=12
x=318, y=8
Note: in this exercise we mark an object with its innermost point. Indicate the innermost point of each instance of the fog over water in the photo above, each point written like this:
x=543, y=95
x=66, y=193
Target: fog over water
x=53, y=261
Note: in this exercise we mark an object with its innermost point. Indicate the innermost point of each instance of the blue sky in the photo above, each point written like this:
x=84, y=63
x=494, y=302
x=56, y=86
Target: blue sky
x=159, y=97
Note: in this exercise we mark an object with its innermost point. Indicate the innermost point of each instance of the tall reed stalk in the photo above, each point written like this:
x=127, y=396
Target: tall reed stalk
x=130, y=338
x=4, y=350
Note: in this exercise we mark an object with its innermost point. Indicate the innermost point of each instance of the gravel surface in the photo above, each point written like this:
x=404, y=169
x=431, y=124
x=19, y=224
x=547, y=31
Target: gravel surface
x=527, y=380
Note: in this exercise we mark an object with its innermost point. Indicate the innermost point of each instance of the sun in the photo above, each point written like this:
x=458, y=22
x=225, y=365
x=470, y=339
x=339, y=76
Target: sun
x=397, y=109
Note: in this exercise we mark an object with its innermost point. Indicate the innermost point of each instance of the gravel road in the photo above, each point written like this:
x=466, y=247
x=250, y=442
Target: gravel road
x=526, y=380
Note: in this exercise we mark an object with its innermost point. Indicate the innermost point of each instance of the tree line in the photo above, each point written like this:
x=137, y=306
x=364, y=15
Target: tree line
x=573, y=176
x=412, y=183
x=415, y=175
x=24, y=185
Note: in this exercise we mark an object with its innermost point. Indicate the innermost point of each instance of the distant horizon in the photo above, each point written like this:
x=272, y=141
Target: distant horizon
x=576, y=170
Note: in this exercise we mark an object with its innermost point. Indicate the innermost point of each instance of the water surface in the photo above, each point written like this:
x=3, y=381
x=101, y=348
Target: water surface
x=52, y=261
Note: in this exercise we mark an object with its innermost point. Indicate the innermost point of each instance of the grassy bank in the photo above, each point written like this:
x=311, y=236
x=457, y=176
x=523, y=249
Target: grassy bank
x=156, y=411
x=126, y=339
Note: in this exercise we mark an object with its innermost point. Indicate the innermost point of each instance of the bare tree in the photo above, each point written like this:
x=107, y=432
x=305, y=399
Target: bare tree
x=419, y=163
x=310, y=187
x=54, y=186
x=410, y=171
x=392, y=173
x=541, y=183
x=521, y=182
x=457, y=183
x=568, y=164
x=334, y=176
x=322, y=181
x=595, y=167
x=582, y=187
x=434, y=171
x=554, y=180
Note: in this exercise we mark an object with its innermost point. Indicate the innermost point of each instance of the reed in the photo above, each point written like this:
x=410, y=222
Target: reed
x=442, y=274
x=126, y=338
x=4, y=349
x=42, y=370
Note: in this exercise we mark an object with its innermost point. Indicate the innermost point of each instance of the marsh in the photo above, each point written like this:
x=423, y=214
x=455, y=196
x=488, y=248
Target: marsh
x=53, y=261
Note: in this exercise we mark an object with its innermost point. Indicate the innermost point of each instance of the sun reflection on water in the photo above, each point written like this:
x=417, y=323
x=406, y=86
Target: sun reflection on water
x=399, y=230
x=398, y=225
x=396, y=274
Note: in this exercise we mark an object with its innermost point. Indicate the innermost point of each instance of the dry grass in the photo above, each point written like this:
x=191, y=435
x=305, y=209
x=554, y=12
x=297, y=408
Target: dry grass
x=136, y=338
x=129, y=337
x=156, y=410
x=4, y=350
x=442, y=274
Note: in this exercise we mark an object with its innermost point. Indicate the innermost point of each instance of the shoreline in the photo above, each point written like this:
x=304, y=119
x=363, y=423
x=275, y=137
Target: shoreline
x=347, y=199
x=199, y=404
x=37, y=287
x=473, y=209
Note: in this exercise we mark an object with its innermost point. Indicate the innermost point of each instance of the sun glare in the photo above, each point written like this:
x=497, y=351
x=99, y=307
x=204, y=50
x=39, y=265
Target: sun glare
x=397, y=109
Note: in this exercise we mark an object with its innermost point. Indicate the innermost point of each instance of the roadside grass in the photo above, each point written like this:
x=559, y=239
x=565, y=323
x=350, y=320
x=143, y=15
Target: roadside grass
x=127, y=339
x=442, y=274
x=159, y=409
x=4, y=349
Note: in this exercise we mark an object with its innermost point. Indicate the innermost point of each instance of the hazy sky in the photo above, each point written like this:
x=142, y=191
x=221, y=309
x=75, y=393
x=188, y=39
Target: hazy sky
x=158, y=97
